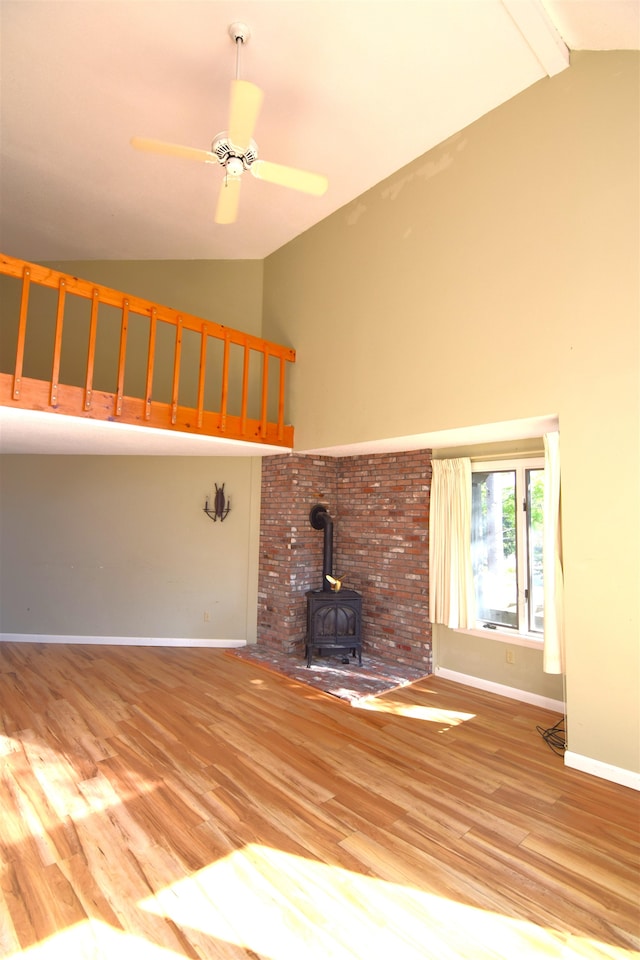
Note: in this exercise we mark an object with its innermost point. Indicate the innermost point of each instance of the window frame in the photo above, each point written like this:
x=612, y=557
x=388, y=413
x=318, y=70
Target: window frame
x=521, y=634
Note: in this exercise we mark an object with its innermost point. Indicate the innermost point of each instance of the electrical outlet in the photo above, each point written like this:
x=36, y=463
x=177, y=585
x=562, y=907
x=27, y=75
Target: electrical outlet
x=511, y=656
x=206, y=616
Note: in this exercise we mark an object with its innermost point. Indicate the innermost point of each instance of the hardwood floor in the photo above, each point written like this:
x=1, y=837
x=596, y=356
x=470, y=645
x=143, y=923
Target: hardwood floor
x=167, y=803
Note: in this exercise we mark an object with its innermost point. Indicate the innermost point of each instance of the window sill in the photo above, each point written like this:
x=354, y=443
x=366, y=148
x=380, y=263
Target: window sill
x=516, y=639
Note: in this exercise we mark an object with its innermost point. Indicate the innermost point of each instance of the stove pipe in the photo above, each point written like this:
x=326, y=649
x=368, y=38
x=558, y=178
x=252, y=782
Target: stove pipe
x=320, y=519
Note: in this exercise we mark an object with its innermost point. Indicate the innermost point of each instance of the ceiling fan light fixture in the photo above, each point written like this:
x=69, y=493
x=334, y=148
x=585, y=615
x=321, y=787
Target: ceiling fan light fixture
x=234, y=167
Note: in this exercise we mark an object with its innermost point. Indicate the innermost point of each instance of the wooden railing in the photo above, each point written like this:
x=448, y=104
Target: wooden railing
x=231, y=400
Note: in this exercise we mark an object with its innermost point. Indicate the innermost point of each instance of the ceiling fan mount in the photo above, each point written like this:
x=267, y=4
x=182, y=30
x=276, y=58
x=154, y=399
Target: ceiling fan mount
x=239, y=31
x=235, y=149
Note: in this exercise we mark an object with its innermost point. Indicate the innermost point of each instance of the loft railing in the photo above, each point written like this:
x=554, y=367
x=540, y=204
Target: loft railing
x=85, y=350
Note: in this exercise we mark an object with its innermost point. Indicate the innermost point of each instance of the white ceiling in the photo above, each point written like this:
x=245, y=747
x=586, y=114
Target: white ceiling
x=353, y=89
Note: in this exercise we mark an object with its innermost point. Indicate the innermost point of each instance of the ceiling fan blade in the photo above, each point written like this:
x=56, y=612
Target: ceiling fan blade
x=173, y=150
x=315, y=183
x=244, y=107
x=228, y=200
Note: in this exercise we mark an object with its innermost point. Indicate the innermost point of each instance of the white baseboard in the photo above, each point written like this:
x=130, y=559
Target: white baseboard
x=119, y=641
x=606, y=771
x=500, y=689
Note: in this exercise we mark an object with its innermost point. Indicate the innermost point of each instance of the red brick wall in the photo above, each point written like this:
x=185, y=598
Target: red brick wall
x=381, y=509
x=290, y=549
x=383, y=546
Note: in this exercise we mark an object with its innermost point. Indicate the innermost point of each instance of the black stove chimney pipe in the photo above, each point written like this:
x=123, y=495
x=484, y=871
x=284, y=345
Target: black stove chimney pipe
x=321, y=520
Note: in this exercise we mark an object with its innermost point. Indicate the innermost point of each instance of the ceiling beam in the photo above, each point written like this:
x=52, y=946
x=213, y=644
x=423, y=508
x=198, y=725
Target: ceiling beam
x=538, y=30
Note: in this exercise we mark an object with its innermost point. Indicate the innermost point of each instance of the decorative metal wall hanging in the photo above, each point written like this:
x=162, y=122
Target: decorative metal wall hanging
x=220, y=507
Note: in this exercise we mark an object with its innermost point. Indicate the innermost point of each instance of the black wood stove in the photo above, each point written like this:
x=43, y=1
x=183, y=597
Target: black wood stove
x=334, y=616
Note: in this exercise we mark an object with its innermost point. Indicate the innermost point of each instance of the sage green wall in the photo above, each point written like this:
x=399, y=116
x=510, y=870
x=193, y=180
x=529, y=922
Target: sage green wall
x=228, y=292
x=492, y=279
x=225, y=291
x=120, y=546
x=486, y=658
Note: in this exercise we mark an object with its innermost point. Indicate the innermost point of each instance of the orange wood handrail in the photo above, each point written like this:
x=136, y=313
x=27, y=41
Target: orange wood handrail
x=82, y=398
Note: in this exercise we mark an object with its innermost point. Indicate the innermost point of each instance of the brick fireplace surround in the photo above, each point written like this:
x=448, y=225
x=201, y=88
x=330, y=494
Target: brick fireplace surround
x=380, y=506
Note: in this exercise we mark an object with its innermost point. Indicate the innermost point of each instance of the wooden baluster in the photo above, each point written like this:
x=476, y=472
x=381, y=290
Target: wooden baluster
x=91, y=351
x=281, y=400
x=124, y=327
x=202, y=374
x=245, y=390
x=57, y=344
x=225, y=383
x=176, y=371
x=265, y=393
x=22, y=331
x=153, y=322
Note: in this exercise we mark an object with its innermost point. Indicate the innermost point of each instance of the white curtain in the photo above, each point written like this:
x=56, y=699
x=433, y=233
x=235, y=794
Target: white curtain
x=451, y=594
x=553, y=656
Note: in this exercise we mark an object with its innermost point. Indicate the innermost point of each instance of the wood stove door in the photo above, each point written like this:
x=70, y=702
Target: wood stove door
x=334, y=623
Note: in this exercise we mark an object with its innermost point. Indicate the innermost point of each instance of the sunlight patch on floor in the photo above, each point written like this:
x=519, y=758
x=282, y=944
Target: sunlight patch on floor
x=94, y=940
x=286, y=907
x=414, y=711
x=68, y=798
x=8, y=745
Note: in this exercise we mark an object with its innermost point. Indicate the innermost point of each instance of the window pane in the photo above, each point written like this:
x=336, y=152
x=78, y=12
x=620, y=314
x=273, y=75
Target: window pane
x=535, y=515
x=493, y=546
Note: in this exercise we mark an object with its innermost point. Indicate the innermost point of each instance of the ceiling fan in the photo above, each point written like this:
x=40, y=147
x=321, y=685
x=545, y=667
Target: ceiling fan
x=235, y=149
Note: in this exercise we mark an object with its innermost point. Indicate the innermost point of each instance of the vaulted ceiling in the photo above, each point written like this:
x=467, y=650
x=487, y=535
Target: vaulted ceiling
x=353, y=90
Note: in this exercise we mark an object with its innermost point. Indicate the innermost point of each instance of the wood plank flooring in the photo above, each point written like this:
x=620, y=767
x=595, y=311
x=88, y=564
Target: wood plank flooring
x=166, y=803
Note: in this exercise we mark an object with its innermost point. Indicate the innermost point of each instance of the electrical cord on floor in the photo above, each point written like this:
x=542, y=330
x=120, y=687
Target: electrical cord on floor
x=554, y=736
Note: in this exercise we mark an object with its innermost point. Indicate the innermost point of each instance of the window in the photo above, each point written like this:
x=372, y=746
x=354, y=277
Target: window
x=506, y=544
